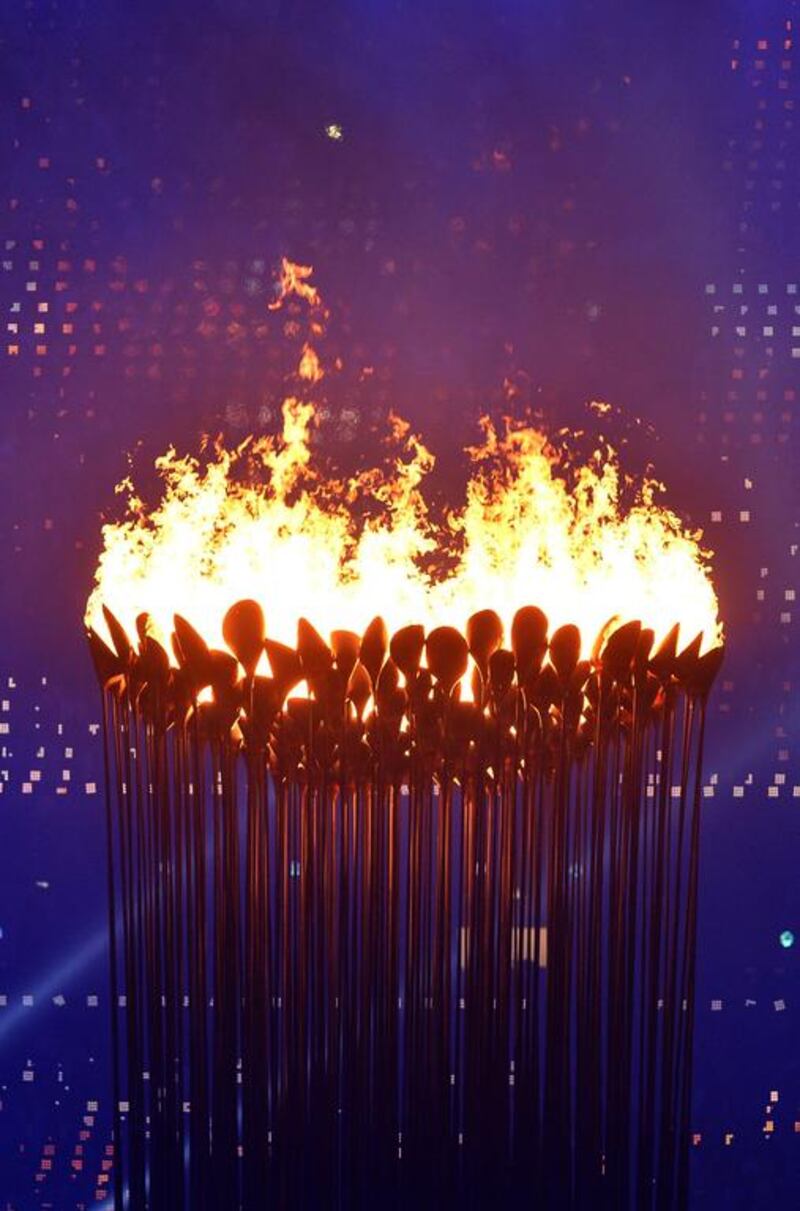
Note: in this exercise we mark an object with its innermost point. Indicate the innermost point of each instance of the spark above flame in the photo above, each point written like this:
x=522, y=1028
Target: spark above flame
x=261, y=521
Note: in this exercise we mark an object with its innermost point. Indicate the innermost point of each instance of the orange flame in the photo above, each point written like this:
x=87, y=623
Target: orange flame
x=309, y=546
x=309, y=367
x=261, y=521
x=295, y=280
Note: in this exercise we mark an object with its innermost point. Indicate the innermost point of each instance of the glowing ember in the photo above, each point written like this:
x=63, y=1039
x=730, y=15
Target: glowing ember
x=261, y=521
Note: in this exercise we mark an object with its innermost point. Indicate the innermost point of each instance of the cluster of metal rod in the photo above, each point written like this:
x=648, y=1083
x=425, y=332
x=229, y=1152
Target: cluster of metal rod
x=380, y=945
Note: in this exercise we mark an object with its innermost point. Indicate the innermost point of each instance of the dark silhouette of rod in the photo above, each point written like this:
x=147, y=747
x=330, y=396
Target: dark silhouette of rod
x=388, y=944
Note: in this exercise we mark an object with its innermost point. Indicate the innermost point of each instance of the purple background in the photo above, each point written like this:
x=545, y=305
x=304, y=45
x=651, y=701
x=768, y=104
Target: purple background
x=586, y=200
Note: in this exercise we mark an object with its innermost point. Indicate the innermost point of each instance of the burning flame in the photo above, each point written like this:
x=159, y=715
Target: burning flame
x=262, y=521
x=292, y=540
